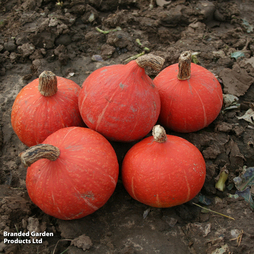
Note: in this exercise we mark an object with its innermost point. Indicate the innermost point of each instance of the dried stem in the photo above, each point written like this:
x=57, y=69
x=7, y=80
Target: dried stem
x=47, y=83
x=159, y=134
x=37, y=152
x=231, y=218
x=155, y=62
x=184, y=66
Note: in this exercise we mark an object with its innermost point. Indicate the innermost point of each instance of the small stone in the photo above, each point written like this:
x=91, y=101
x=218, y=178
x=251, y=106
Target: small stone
x=10, y=46
x=97, y=58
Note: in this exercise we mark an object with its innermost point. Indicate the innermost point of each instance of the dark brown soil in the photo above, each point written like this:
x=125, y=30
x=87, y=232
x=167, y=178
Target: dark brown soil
x=62, y=36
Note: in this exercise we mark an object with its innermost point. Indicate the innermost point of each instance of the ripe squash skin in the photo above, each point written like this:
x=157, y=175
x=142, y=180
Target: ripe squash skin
x=188, y=105
x=80, y=180
x=120, y=102
x=163, y=174
x=34, y=116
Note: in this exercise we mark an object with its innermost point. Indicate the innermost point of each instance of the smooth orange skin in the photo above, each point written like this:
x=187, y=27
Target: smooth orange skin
x=34, y=116
x=188, y=105
x=120, y=102
x=163, y=174
x=80, y=181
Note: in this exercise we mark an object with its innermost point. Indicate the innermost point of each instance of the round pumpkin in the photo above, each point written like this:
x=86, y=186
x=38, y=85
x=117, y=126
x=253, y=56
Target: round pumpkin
x=191, y=96
x=43, y=106
x=72, y=173
x=120, y=101
x=163, y=170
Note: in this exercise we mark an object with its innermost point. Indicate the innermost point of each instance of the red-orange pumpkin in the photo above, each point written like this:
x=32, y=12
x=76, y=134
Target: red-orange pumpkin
x=163, y=170
x=121, y=101
x=43, y=106
x=191, y=96
x=72, y=174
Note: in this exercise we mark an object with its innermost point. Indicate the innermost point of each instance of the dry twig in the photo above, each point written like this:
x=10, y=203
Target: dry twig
x=238, y=238
x=213, y=211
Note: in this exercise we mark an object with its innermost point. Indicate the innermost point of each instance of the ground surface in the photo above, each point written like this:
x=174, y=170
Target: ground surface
x=62, y=37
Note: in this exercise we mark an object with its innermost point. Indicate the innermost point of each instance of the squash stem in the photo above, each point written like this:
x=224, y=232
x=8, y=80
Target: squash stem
x=159, y=134
x=184, y=66
x=37, y=152
x=150, y=60
x=47, y=83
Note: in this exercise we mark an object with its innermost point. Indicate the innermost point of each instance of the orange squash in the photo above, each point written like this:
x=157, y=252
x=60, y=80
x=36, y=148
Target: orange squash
x=191, y=96
x=43, y=106
x=72, y=173
x=163, y=170
x=120, y=101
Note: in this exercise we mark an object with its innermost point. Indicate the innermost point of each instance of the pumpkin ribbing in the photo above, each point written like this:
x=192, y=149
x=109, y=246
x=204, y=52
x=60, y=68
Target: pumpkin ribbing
x=164, y=170
x=73, y=173
x=121, y=101
x=43, y=106
x=191, y=96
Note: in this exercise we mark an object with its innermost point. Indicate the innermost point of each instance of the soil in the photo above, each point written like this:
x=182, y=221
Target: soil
x=63, y=36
